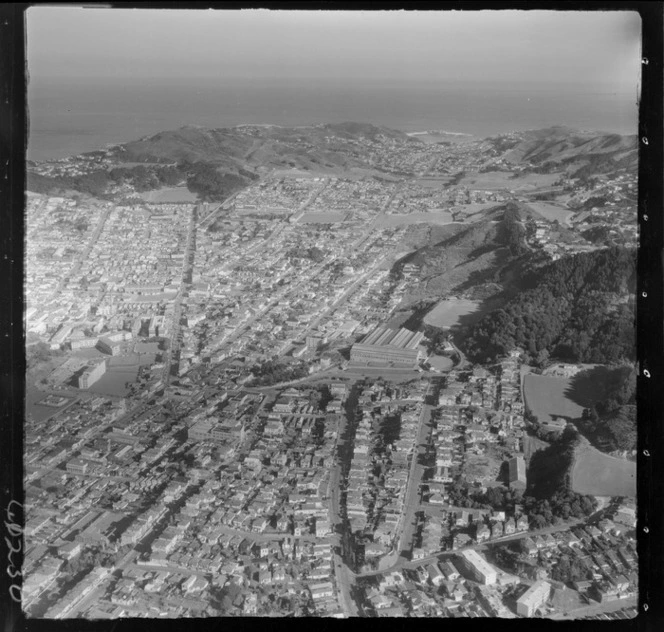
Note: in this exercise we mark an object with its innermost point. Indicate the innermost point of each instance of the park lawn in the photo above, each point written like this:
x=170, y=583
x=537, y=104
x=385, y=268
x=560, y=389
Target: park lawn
x=599, y=474
x=448, y=312
x=173, y=195
x=546, y=397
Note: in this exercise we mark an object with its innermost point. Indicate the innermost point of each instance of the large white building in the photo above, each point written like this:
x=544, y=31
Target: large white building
x=91, y=375
x=533, y=598
x=477, y=567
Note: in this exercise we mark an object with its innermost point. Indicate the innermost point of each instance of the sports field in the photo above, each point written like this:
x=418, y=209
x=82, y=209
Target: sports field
x=599, y=474
x=172, y=195
x=546, y=397
x=440, y=363
x=448, y=312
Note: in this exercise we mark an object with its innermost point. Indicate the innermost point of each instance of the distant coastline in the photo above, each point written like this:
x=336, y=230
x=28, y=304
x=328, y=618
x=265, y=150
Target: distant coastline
x=67, y=119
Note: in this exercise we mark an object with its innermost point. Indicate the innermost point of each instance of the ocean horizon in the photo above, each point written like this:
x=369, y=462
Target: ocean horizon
x=68, y=117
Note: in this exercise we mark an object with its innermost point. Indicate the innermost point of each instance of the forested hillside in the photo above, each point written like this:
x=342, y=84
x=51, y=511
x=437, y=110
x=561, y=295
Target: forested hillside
x=207, y=180
x=576, y=310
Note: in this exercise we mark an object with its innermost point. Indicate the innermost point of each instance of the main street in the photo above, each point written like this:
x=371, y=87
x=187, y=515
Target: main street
x=187, y=265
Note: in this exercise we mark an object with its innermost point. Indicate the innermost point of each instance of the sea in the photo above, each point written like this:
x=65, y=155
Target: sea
x=68, y=116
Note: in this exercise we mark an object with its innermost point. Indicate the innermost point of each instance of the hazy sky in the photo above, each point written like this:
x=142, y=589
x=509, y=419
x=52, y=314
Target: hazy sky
x=596, y=48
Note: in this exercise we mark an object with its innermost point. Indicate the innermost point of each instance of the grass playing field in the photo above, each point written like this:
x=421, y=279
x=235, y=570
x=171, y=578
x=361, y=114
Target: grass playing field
x=447, y=313
x=546, y=397
x=599, y=474
x=174, y=195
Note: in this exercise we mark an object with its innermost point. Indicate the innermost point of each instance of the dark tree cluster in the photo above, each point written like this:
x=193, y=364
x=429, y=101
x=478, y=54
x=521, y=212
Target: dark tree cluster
x=571, y=569
x=146, y=178
x=611, y=422
x=210, y=184
x=572, y=313
x=597, y=234
x=562, y=505
x=94, y=183
x=272, y=372
x=203, y=178
x=512, y=232
x=594, y=202
x=614, y=430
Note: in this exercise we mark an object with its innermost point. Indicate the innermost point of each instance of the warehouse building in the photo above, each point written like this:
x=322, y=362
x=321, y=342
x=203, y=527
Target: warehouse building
x=388, y=346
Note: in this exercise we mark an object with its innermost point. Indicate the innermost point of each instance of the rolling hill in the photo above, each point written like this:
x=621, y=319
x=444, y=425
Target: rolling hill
x=320, y=147
x=477, y=261
x=564, y=149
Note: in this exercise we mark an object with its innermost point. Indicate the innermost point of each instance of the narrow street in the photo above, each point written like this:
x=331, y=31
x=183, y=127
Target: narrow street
x=411, y=564
x=408, y=521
